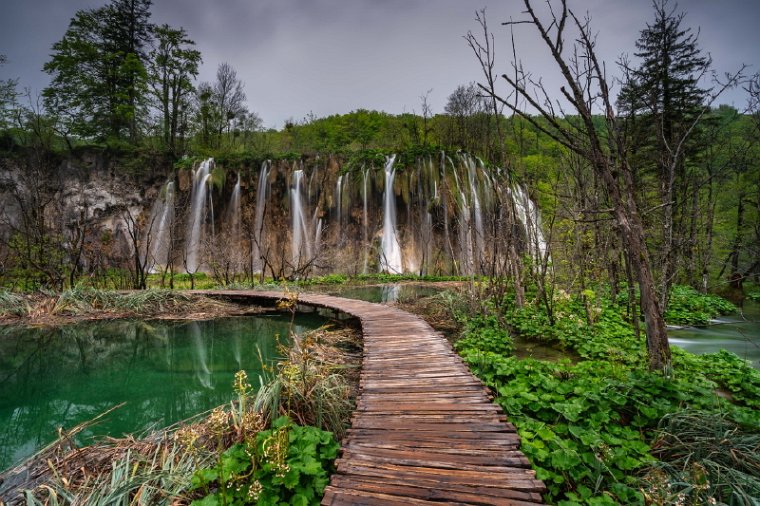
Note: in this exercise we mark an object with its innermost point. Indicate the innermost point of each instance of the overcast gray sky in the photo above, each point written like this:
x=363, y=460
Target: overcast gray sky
x=334, y=56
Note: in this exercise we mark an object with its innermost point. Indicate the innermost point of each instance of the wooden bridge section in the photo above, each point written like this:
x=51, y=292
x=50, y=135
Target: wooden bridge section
x=425, y=430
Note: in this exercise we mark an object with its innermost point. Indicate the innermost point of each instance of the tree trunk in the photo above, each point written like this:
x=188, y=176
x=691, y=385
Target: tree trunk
x=622, y=194
x=709, y=226
x=654, y=324
x=735, y=276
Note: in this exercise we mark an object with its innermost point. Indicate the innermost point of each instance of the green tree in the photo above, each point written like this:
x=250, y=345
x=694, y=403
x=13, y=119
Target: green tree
x=173, y=67
x=98, y=71
x=663, y=103
x=206, y=114
x=220, y=107
x=128, y=35
x=8, y=98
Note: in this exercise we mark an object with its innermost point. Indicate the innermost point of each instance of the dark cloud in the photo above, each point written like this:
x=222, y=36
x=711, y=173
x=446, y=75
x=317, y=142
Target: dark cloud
x=333, y=56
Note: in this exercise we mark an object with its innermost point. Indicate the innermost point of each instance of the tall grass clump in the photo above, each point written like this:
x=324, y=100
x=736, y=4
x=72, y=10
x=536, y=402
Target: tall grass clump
x=12, y=304
x=704, y=458
x=313, y=390
x=151, y=474
x=153, y=301
x=82, y=300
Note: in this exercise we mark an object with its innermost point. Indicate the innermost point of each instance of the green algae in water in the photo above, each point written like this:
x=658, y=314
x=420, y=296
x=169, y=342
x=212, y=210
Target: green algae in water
x=164, y=371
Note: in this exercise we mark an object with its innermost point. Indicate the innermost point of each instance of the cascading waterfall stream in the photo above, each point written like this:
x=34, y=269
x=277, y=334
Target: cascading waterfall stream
x=300, y=246
x=433, y=215
x=233, y=226
x=161, y=220
x=338, y=198
x=365, y=219
x=528, y=216
x=262, y=193
x=197, y=214
x=477, y=212
x=233, y=212
x=390, y=249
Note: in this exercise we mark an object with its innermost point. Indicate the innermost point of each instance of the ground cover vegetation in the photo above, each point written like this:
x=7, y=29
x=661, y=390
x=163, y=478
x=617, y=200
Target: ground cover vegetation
x=602, y=428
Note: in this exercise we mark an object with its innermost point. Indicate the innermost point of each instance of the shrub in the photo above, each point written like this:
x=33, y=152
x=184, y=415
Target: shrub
x=485, y=334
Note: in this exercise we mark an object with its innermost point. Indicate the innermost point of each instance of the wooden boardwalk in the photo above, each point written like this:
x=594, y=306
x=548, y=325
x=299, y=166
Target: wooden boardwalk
x=425, y=430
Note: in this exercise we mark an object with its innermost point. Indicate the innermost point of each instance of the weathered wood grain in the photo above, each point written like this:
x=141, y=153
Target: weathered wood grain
x=425, y=430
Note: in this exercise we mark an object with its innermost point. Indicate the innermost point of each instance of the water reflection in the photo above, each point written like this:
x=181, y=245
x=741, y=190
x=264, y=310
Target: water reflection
x=391, y=292
x=164, y=371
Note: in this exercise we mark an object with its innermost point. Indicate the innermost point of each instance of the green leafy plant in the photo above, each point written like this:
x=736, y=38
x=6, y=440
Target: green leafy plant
x=589, y=428
x=487, y=334
x=287, y=464
x=689, y=307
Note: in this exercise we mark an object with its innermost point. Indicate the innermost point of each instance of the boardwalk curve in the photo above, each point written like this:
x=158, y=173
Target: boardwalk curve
x=425, y=430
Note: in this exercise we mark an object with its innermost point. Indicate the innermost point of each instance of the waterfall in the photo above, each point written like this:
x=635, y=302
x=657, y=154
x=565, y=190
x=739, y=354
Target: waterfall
x=477, y=211
x=365, y=219
x=258, y=231
x=426, y=229
x=317, y=236
x=447, y=218
x=445, y=205
x=161, y=220
x=338, y=197
x=529, y=217
x=338, y=205
x=198, y=199
x=233, y=220
x=465, y=235
x=390, y=250
x=300, y=246
x=234, y=212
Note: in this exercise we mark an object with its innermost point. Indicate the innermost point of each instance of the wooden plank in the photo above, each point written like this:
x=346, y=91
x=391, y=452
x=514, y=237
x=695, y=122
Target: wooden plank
x=434, y=491
x=512, y=481
x=425, y=431
x=419, y=457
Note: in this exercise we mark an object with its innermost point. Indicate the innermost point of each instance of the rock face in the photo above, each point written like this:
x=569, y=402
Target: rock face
x=76, y=204
x=286, y=218
x=294, y=218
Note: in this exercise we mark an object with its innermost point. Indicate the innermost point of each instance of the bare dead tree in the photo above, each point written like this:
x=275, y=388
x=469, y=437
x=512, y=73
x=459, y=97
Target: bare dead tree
x=585, y=87
x=141, y=262
x=485, y=52
x=427, y=113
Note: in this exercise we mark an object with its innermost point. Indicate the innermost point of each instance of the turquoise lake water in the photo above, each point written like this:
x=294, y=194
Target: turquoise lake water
x=164, y=371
